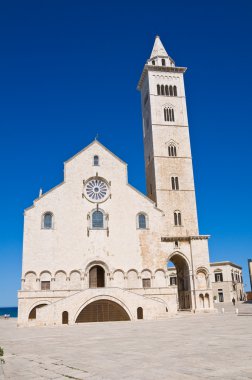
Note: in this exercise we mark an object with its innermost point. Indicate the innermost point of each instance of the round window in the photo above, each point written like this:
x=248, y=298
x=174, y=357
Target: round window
x=96, y=190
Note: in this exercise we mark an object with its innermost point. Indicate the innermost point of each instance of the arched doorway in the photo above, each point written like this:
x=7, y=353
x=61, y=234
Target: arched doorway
x=33, y=312
x=65, y=318
x=178, y=265
x=139, y=313
x=97, y=277
x=102, y=311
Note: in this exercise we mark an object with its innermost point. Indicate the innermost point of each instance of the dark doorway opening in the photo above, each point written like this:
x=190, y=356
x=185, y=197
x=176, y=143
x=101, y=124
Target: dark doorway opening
x=97, y=277
x=65, y=318
x=139, y=313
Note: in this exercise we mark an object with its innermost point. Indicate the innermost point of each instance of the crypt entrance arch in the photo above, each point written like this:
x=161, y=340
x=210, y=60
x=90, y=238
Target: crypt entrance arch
x=103, y=310
x=178, y=264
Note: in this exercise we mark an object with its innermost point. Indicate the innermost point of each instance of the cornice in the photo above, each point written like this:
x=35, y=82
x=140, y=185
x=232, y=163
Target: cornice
x=167, y=239
x=165, y=69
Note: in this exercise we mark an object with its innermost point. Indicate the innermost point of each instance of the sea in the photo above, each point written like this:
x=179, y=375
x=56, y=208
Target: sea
x=12, y=311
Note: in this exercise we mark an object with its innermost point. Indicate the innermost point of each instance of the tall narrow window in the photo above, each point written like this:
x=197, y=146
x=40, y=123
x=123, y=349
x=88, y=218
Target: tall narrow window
x=97, y=220
x=172, y=150
x=169, y=114
x=177, y=218
x=153, y=62
x=163, y=62
x=158, y=89
x=142, y=221
x=96, y=161
x=162, y=90
x=218, y=277
x=171, y=90
x=166, y=90
x=175, y=183
x=172, y=117
x=47, y=221
x=175, y=93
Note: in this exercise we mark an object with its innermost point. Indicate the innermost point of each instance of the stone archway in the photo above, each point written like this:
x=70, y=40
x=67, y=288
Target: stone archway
x=183, y=281
x=96, y=277
x=102, y=311
x=33, y=312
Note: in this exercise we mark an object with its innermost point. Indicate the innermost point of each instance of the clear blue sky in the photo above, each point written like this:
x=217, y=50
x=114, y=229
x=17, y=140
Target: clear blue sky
x=57, y=56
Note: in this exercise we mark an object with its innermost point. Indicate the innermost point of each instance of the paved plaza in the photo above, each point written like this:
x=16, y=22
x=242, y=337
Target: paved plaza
x=183, y=347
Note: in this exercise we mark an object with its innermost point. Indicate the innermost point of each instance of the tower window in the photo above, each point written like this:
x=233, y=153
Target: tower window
x=177, y=218
x=169, y=114
x=163, y=62
x=153, y=62
x=158, y=89
x=171, y=90
x=175, y=183
x=142, y=221
x=166, y=90
x=162, y=90
x=96, y=161
x=172, y=150
x=175, y=93
x=97, y=220
x=47, y=221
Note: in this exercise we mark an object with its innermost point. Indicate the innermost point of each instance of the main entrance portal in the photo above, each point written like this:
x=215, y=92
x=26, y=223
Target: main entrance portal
x=102, y=311
x=96, y=277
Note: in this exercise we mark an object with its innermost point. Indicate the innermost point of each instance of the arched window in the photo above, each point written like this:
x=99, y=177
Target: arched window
x=97, y=219
x=172, y=150
x=175, y=93
x=171, y=90
x=177, y=218
x=96, y=161
x=163, y=62
x=166, y=90
x=47, y=221
x=153, y=62
x=175, y=183
x=162, y=90
x=141, y=222
x=169, y=114
x=158, y=89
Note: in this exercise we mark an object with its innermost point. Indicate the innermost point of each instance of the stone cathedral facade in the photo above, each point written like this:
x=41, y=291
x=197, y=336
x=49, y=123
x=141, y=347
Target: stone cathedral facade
x=83, y=261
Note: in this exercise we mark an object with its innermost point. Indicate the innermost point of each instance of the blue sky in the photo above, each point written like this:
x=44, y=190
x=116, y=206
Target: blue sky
x=57, y=56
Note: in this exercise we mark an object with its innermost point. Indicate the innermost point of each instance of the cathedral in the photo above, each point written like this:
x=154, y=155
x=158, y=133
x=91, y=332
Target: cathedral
x=96, y=249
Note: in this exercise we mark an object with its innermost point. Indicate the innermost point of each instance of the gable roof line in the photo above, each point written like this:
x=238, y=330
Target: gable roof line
x=88, y=146
x=145, y=196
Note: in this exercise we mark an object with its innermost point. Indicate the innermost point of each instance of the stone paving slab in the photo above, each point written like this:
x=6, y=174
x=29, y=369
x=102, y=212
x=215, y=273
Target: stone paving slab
x=193, y=347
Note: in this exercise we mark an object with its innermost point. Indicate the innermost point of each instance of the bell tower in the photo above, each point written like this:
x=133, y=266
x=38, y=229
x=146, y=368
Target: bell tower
x=168, y=160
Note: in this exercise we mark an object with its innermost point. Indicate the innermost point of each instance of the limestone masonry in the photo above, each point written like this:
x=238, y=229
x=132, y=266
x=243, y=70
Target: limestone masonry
x=96, y=249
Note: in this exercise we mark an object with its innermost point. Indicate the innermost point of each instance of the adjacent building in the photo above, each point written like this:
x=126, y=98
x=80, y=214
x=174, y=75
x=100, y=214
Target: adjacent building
x=226, y=279
x=97, y=249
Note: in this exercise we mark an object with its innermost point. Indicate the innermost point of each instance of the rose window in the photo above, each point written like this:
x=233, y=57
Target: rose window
x=96, y=190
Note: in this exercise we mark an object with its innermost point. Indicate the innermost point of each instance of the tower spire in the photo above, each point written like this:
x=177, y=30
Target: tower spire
x=158, y=49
